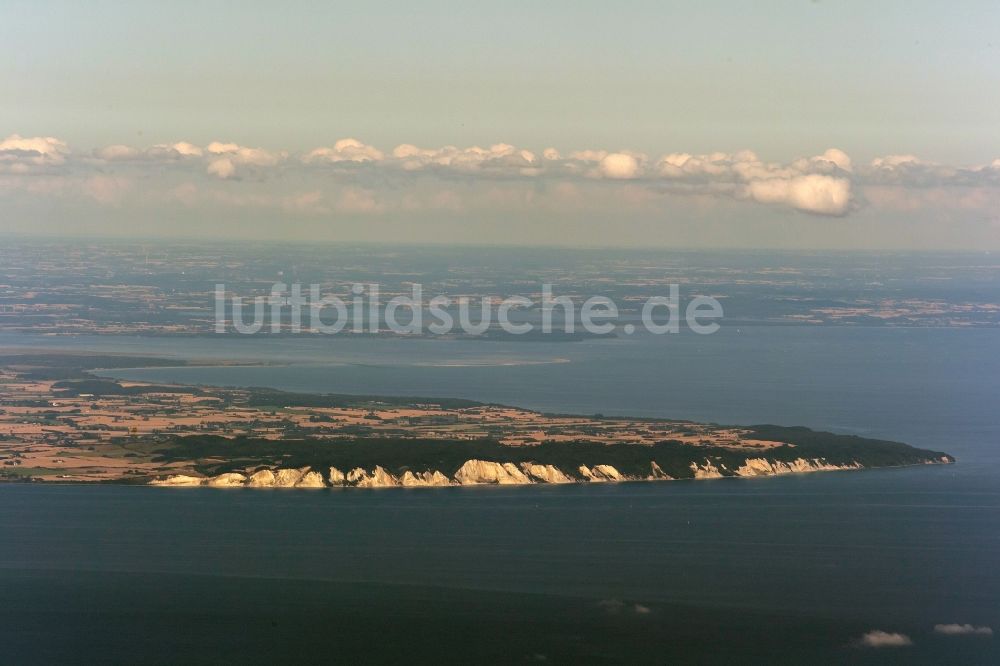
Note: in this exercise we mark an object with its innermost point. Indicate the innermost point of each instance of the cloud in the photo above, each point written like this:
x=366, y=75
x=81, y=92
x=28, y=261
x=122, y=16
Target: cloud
x=613, y=606
x=836, y=157
x=913, y=172
x=821, y=185
x=501, y=159
x=27, y=154
x=182, y=148
x=231, y=158
x=222, y=167
x=883, y=639
x=244, y=155
x=827, y=184
x=616, y=606
x=160, y=152
x=345, y=150
x=895, y=161
x=118, y=152
x=620, y=166
x=813, y=193
x=588, y=155
x=962, y=630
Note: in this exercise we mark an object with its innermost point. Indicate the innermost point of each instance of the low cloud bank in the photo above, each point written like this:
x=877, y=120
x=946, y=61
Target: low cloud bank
x=829, y=184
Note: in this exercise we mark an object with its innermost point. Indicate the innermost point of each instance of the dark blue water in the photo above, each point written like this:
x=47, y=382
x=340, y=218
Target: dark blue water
x=899, y=550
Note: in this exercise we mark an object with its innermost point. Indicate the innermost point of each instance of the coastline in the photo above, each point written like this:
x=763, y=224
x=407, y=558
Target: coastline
x=493, y=476
x=62, y=422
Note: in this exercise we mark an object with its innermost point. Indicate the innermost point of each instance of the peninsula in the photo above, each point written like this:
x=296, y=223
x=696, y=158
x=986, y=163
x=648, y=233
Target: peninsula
x=59, y=422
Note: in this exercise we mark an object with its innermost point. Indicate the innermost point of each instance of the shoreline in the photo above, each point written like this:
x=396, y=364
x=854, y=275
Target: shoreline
x=67, y=423
x=380, y=479
x=134, y=484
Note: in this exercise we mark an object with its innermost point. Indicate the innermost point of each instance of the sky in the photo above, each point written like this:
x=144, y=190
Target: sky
x=710, y=124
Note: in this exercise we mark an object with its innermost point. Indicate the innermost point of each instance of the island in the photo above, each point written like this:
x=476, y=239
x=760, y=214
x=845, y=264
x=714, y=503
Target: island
x=62, y=422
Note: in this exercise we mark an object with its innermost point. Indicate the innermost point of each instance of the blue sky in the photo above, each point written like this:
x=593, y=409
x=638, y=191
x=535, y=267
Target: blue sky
x=786, y=80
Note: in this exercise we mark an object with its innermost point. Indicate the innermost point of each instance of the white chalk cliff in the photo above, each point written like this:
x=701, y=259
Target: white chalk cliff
x=227, y=480
x=379, y=478
x=287, y=478
x=706, y=471
x=178, y=480
x=547, y=473
x=475, y=472
x=262, y=479
x=764, y=467
x=311, y=480
x=484, y=472
x=656, y=473
x=435, y=478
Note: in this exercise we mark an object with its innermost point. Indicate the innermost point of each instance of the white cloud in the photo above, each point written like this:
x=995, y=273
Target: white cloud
x=244, y=155
x=619, y=165
x=174, y=151
x=182, y=148
x=830, y=183
x=345, y=150
x=119, y=152
x=821, y=185
x=588, y=155
x=910, y=171
x=500, y=159
x=836, y=157
x=222, y=167
x=159, y=152
x=231, y=158
x=26, y=154
x=218, y=148
x=962, y=630
x=882, y=639
x=893, y=161
x=812, y=193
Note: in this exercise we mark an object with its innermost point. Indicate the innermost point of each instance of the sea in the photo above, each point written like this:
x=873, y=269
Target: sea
x=793, y=569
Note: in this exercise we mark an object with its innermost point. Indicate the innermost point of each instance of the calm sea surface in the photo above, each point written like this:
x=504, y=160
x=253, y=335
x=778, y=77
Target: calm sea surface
x=788, y=569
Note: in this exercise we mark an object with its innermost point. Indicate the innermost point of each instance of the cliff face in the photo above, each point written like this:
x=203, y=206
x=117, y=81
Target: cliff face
x=227, y=480
x=706, y=471
x=546, y=473
x=379, y=478
x=764, y=467
x=262, y=479
x=311, y=480
x=178, y=480
x=484, y=472
x=601, y=473
x=435, y=478
x=475, y=472
x=287, y=478
x=656, y=473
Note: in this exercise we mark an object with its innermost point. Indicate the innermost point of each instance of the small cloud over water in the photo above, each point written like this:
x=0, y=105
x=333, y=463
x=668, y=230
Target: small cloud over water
x=884, y=639
x=615, y=607
x=962, y=630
